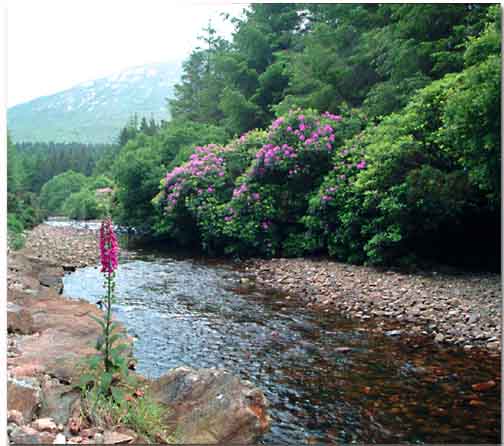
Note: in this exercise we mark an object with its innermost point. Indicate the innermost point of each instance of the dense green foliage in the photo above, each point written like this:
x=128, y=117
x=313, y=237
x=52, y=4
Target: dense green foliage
x=411, y=186
x=143, y=160
x=22, y=205
x=54, y=193
x=42, y=161
x=84, y=205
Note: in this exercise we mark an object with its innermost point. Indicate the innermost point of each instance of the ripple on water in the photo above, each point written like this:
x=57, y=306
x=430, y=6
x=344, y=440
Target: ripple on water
x=186, y=312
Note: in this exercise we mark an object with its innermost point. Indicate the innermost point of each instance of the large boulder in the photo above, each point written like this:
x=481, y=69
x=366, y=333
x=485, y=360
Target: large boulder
x=57, y=400
x=211, y=406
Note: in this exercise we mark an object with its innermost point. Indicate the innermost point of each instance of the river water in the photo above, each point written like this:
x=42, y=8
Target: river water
x=328, y=379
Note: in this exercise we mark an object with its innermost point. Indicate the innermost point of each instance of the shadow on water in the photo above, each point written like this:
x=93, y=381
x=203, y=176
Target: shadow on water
x=328, y=379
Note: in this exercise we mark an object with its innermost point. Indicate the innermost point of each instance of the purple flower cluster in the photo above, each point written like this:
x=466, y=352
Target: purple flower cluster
x=331, y=116
x=240, y=190
x=231, y=213
x=266, y=224
x=308, y=135
x=270, y=154
x=277, y=122
x=206, y=163
x=328, y=194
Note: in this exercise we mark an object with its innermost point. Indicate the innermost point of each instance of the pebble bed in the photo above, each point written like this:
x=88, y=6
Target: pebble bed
x=463, y=309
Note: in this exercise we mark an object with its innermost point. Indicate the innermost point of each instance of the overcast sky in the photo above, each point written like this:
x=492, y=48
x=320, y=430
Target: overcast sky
x=53, y=45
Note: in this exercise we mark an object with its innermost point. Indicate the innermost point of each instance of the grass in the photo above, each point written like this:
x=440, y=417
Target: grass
x=141, y=414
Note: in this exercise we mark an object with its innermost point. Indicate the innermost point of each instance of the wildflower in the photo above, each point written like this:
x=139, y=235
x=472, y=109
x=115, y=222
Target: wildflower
x=109, y=249
x=361, y=165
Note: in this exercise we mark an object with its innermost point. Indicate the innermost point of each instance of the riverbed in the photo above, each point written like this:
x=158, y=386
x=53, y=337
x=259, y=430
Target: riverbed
x=328, y=378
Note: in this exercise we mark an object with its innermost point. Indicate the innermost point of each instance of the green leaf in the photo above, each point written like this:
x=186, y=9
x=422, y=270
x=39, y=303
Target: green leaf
x=94, y=360
x=114, y=325
x=119, y=348
x=106, y=380
x=131, y=380
x=115, y=337
x=86, y=379
x=98, y=320
x=117, y=359
x=118, y=394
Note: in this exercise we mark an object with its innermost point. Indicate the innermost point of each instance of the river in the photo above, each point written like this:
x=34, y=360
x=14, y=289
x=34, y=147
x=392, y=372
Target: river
x=328, y=379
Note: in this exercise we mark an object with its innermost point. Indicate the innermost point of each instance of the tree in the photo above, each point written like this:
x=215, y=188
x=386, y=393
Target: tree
x=57, y=189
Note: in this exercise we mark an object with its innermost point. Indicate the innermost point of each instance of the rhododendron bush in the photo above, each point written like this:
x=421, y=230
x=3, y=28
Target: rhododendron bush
x=250, y=196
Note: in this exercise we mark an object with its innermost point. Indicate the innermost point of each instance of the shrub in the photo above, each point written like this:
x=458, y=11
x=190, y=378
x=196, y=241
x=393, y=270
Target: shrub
x=248, y=197
x=84, y=205
x=54, y=193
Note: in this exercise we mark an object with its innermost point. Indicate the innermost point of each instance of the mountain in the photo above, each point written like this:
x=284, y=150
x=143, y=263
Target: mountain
x=95, y=111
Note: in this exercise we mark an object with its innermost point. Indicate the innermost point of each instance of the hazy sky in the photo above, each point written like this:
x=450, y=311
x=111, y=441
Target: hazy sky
x=53, y=45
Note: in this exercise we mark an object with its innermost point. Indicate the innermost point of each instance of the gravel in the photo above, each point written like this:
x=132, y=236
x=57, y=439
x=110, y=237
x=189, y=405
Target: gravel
x=462, y=308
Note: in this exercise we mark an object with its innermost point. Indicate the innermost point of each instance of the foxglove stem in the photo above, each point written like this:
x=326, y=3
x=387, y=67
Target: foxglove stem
x=109, y=251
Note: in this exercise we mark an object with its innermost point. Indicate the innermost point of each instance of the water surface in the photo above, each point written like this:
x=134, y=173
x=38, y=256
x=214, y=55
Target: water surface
x=328, y=379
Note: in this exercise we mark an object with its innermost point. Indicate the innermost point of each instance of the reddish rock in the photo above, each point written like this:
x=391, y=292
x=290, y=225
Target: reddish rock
x=16, y=417
x=20, y=321
x=26, y=370
x=24, y=398
x=211, y=406
x=482, y=387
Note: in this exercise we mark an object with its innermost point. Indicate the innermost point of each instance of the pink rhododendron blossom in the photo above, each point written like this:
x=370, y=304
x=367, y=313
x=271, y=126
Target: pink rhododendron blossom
x=277, y=123
x=265, y=224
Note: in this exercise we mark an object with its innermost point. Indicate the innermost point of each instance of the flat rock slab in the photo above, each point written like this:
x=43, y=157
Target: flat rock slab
x=66, y=334
x=211, y=406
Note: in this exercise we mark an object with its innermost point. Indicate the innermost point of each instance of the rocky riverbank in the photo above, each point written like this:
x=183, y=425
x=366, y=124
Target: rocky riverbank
x=49, y=335
x=463, y=309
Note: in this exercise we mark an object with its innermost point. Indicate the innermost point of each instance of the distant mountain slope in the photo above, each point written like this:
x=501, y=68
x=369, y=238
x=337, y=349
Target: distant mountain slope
x=95, y=111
